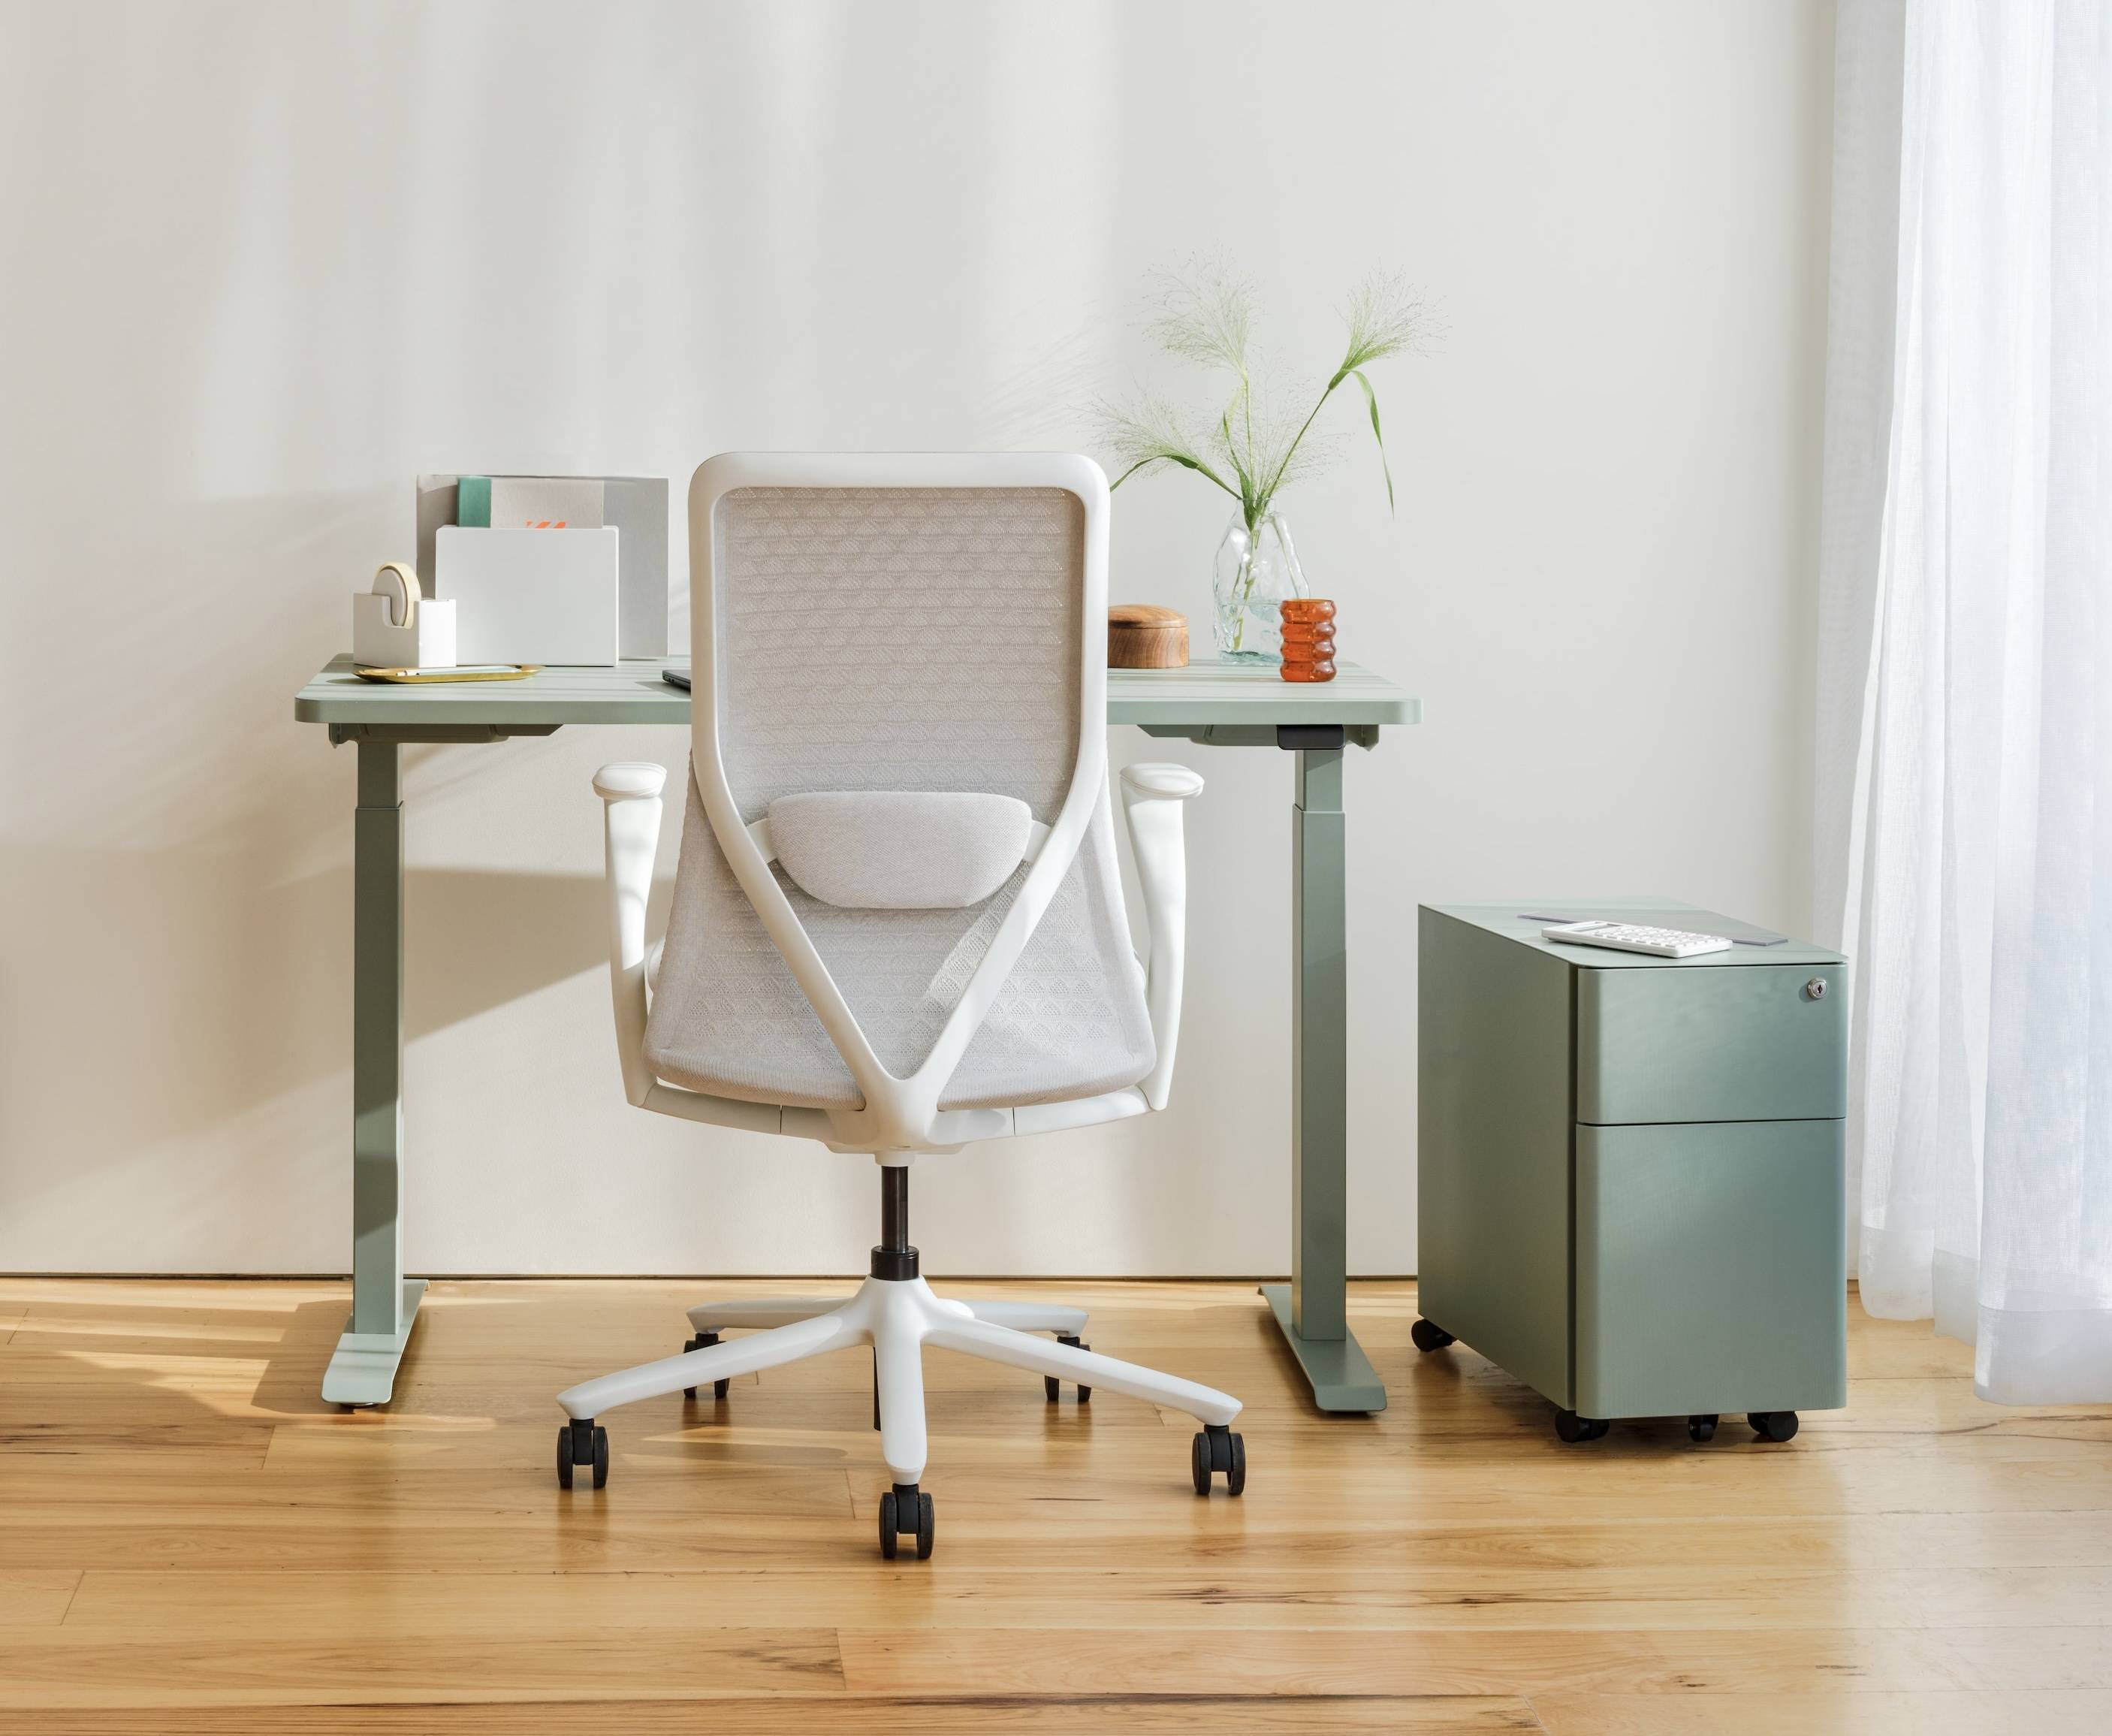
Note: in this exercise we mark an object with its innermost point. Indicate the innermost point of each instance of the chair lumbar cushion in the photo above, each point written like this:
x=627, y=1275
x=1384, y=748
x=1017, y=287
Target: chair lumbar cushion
x=899, y=850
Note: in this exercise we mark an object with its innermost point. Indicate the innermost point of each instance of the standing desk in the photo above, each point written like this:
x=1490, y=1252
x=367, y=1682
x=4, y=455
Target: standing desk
x=1210, y=703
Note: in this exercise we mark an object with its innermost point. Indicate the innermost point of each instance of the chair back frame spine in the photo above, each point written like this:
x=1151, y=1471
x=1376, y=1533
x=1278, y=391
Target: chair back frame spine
x=898, y=1113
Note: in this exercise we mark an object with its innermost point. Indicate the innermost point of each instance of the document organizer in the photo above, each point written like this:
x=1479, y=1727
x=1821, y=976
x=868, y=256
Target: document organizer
x=530, y=596
x=637, y=506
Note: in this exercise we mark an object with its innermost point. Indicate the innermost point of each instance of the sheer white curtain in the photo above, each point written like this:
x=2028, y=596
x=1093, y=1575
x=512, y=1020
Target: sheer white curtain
x=1964, y=826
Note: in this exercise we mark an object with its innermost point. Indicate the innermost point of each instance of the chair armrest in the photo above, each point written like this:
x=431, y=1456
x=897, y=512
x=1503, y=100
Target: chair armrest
x=630, y=825
x=1152, y=797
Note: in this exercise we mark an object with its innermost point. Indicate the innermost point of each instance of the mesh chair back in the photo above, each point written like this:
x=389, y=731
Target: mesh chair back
x=926, y=633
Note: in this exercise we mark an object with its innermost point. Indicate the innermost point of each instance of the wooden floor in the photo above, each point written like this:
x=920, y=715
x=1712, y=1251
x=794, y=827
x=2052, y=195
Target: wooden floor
x=190, y=1541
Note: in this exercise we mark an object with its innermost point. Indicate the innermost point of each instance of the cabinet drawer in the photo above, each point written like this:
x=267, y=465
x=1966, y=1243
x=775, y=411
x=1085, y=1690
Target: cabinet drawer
x=1711, y=1268
x=1746, y=1042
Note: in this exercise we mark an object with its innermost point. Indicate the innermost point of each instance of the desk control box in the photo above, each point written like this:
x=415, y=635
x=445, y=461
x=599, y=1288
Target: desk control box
x=1631, y=1168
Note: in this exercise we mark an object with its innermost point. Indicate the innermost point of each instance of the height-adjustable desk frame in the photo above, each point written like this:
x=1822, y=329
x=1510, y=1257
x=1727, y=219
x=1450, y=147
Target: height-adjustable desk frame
x=1212, y=704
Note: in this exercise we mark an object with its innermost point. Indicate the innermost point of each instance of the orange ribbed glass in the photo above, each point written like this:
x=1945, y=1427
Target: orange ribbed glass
x=1308, y=639
x=1321, y=671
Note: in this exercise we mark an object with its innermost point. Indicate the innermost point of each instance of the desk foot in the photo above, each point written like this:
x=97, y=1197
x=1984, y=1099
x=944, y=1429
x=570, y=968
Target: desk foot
x=1341, y=1376
x=362, y=1369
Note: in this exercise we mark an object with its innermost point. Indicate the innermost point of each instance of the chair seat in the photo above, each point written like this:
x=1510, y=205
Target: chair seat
x=728, y=1018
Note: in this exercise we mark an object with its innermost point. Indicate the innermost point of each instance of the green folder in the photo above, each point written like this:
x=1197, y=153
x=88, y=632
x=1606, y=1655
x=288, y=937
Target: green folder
x=473, y=502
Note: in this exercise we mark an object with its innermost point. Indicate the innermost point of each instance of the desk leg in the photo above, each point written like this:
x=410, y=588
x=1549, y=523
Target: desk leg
x=383, y=1302
x=1312, y=1308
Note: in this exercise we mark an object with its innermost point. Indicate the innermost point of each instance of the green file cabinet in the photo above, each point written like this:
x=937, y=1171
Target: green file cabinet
x=1630, y=1169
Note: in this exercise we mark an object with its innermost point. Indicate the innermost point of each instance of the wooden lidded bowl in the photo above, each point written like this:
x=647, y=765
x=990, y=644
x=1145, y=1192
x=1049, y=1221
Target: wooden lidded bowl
x=1141, y=635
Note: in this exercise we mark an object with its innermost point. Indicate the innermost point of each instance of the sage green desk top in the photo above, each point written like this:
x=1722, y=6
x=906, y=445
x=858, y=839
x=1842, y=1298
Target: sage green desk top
x=1210, y=703
x=1205, y=695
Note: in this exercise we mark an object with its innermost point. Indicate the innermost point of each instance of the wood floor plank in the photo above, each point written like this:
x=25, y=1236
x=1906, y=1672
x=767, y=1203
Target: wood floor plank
x=34, y=1597
x=193, y=1540
x=126, y=1448
x=1265, y=1593
x=1149, y=1715
x=233, y=1668
x=2037, y=1712
x=1214, y=1660
x=751, y=1530
x=1532, y=1661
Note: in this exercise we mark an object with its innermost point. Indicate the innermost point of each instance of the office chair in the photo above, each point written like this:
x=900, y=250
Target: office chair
x=898, y=924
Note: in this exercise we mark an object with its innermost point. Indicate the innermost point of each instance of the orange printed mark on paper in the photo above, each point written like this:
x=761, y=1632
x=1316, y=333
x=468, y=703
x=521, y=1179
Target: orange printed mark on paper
x=545, y=524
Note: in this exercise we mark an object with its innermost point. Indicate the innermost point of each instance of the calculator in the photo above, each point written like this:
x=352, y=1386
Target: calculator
x=1660, y=943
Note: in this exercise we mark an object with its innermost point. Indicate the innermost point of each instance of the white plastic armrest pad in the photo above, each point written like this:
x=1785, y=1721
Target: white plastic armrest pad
x=898, y=849
x=628, y=778
x=1161, y=781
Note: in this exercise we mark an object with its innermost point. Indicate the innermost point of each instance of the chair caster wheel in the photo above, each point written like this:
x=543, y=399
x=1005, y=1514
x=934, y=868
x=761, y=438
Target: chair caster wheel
x=1572, y=1427
x=1773, y=1425
x=903, y=1502
x=584, y=1443
x=1053, y=1386
x=1216, y=1448
x=1429, y=1335
x=704, y=1342
x=1701, y=1428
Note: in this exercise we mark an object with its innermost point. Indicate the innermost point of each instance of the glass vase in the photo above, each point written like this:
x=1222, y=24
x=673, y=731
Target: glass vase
x=1255, y=573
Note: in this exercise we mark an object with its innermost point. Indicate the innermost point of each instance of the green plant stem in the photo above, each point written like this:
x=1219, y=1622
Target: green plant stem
x=1252, y=503
x=1291, y=451
x=1196, y=465
x=1246, y=416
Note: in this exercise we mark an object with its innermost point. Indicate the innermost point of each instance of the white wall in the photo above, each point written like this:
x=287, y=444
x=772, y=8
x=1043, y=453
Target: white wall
x=262, y=264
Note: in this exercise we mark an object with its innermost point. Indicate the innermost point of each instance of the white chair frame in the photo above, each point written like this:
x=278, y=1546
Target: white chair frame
x=899, y=1117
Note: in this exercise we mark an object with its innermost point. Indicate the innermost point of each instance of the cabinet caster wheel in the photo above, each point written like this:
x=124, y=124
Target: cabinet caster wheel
x=906, y=1502
x=1701, y=1428
x=1572, y=1427
x=704, y=1342
x=1216, y=1448
x=1053, y=1386
x=1773, y=1425
x=1428, y=1336
x=582, y=1443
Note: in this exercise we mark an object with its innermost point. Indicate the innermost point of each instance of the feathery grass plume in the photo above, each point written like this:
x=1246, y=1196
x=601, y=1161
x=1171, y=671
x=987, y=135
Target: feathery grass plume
x=1152, y=434
x=1384, y=319
x=1204, y=311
